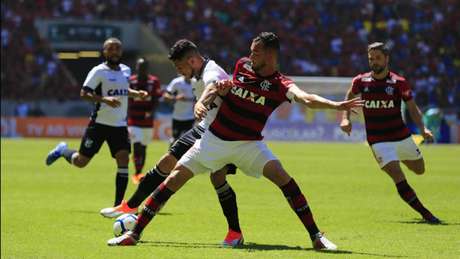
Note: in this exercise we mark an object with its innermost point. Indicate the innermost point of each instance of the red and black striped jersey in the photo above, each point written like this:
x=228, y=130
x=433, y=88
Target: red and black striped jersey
x=246, y=107
x=382, y=107
x=141, y=111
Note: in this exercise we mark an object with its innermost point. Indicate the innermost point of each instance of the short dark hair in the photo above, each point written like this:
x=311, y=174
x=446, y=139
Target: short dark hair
x=111, y=40
x=269, y=39
x=182, y=48
x=379, y=46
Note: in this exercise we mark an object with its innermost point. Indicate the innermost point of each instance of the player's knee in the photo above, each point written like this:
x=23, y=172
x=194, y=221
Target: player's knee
x=80, y=161
x=218, y=178
x=419, y=169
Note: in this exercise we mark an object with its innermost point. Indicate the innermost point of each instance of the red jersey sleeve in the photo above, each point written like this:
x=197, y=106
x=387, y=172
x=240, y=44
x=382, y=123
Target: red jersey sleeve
x=285, y=84
x=405, y=91
x=356, y=85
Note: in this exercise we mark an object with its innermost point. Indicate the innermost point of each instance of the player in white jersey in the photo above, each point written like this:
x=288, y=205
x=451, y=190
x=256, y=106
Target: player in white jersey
x=107, y=86
x=180, y=92
x=189, y=63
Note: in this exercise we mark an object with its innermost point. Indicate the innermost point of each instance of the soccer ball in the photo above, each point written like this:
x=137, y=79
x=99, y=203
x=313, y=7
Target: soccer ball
x=124, y=223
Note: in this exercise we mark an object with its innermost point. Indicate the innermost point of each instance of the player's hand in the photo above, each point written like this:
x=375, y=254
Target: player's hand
x=180, y=97
x=142, y=94
x=427, y=135
x=224, y=84
x=350, y=104
x=113, y=102
x=345, y=126
x=200, y=111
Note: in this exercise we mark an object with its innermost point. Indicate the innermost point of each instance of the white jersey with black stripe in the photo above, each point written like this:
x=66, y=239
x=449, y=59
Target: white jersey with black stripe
x=114, y=83
x=210, y=74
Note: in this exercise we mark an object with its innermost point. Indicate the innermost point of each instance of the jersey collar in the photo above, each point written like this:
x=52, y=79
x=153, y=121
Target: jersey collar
x=200, y=74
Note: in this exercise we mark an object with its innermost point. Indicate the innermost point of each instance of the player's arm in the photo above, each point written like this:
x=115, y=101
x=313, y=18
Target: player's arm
x=317, y=102
x=416, y=116
x=345, y=124
x=137, y=93
x=210, y=93
x=88, y=94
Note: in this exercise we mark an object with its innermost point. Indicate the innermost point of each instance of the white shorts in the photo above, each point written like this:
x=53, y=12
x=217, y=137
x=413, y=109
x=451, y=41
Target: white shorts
x=385, y=152
x=142, y=135
x=210, y=153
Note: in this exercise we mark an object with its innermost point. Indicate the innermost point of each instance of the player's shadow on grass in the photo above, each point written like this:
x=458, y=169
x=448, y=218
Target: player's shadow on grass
x=423, y=222
x=257, y=247
x=96, y=212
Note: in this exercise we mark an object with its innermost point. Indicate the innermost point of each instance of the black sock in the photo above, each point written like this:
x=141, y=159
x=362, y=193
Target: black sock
x=409, y=196
x=67, y=154
x=227, y=199
x=121, y=182
x=300, y=206
x=150, y=182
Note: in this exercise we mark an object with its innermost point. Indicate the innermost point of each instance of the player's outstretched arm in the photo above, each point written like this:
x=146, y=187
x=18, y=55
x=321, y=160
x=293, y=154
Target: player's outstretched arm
x=345, y=124
x=416, y=116
x=209, y=95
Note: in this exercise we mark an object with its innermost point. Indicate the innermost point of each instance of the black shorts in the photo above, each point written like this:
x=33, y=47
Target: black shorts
x=186, y=141
x=181, y=127
x=117, y=138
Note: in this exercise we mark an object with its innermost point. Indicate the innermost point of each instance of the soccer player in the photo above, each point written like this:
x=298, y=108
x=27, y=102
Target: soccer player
x=107, y=86
x=141, y=112
x=190, y=63
x=180, y=92
x=254, y=93
x=387, y=134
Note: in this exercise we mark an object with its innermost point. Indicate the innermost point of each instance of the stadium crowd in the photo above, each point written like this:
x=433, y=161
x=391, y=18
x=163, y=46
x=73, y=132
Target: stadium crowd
x=321, y=38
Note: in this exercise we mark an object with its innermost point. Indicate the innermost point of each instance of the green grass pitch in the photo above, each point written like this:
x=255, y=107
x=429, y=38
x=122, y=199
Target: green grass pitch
x=53, y=212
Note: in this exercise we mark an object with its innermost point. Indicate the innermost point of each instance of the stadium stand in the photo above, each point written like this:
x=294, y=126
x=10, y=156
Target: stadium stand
x=321, y=38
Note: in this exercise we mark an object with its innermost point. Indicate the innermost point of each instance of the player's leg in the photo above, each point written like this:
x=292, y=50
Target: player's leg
x=185, y=169
x=274, y=171
x=393, y=169
x=388, y=155
x=90, y=144
x=256, y=159
x=227, y=200
x=416, y=166
x=156, y=175
x=121, y=179
x=410, y=155
x=120, y=147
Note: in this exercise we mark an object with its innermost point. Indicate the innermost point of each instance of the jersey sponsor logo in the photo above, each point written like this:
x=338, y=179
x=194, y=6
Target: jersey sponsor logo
x=117, y=92
x=366, y=89
x=88, y=143
x=389, y=90
x=379, y=104
x=265, y=85
x=248, y=95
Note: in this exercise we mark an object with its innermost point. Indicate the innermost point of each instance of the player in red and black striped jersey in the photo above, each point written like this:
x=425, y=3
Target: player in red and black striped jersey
x=141, y=114
x=383, y=92
x=248, y=100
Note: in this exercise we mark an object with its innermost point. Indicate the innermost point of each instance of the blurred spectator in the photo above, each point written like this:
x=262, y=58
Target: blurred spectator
x=320, y=38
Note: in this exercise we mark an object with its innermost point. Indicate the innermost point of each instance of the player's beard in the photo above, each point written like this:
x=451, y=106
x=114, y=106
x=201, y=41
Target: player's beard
x=377, y=69
x=113, y=62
